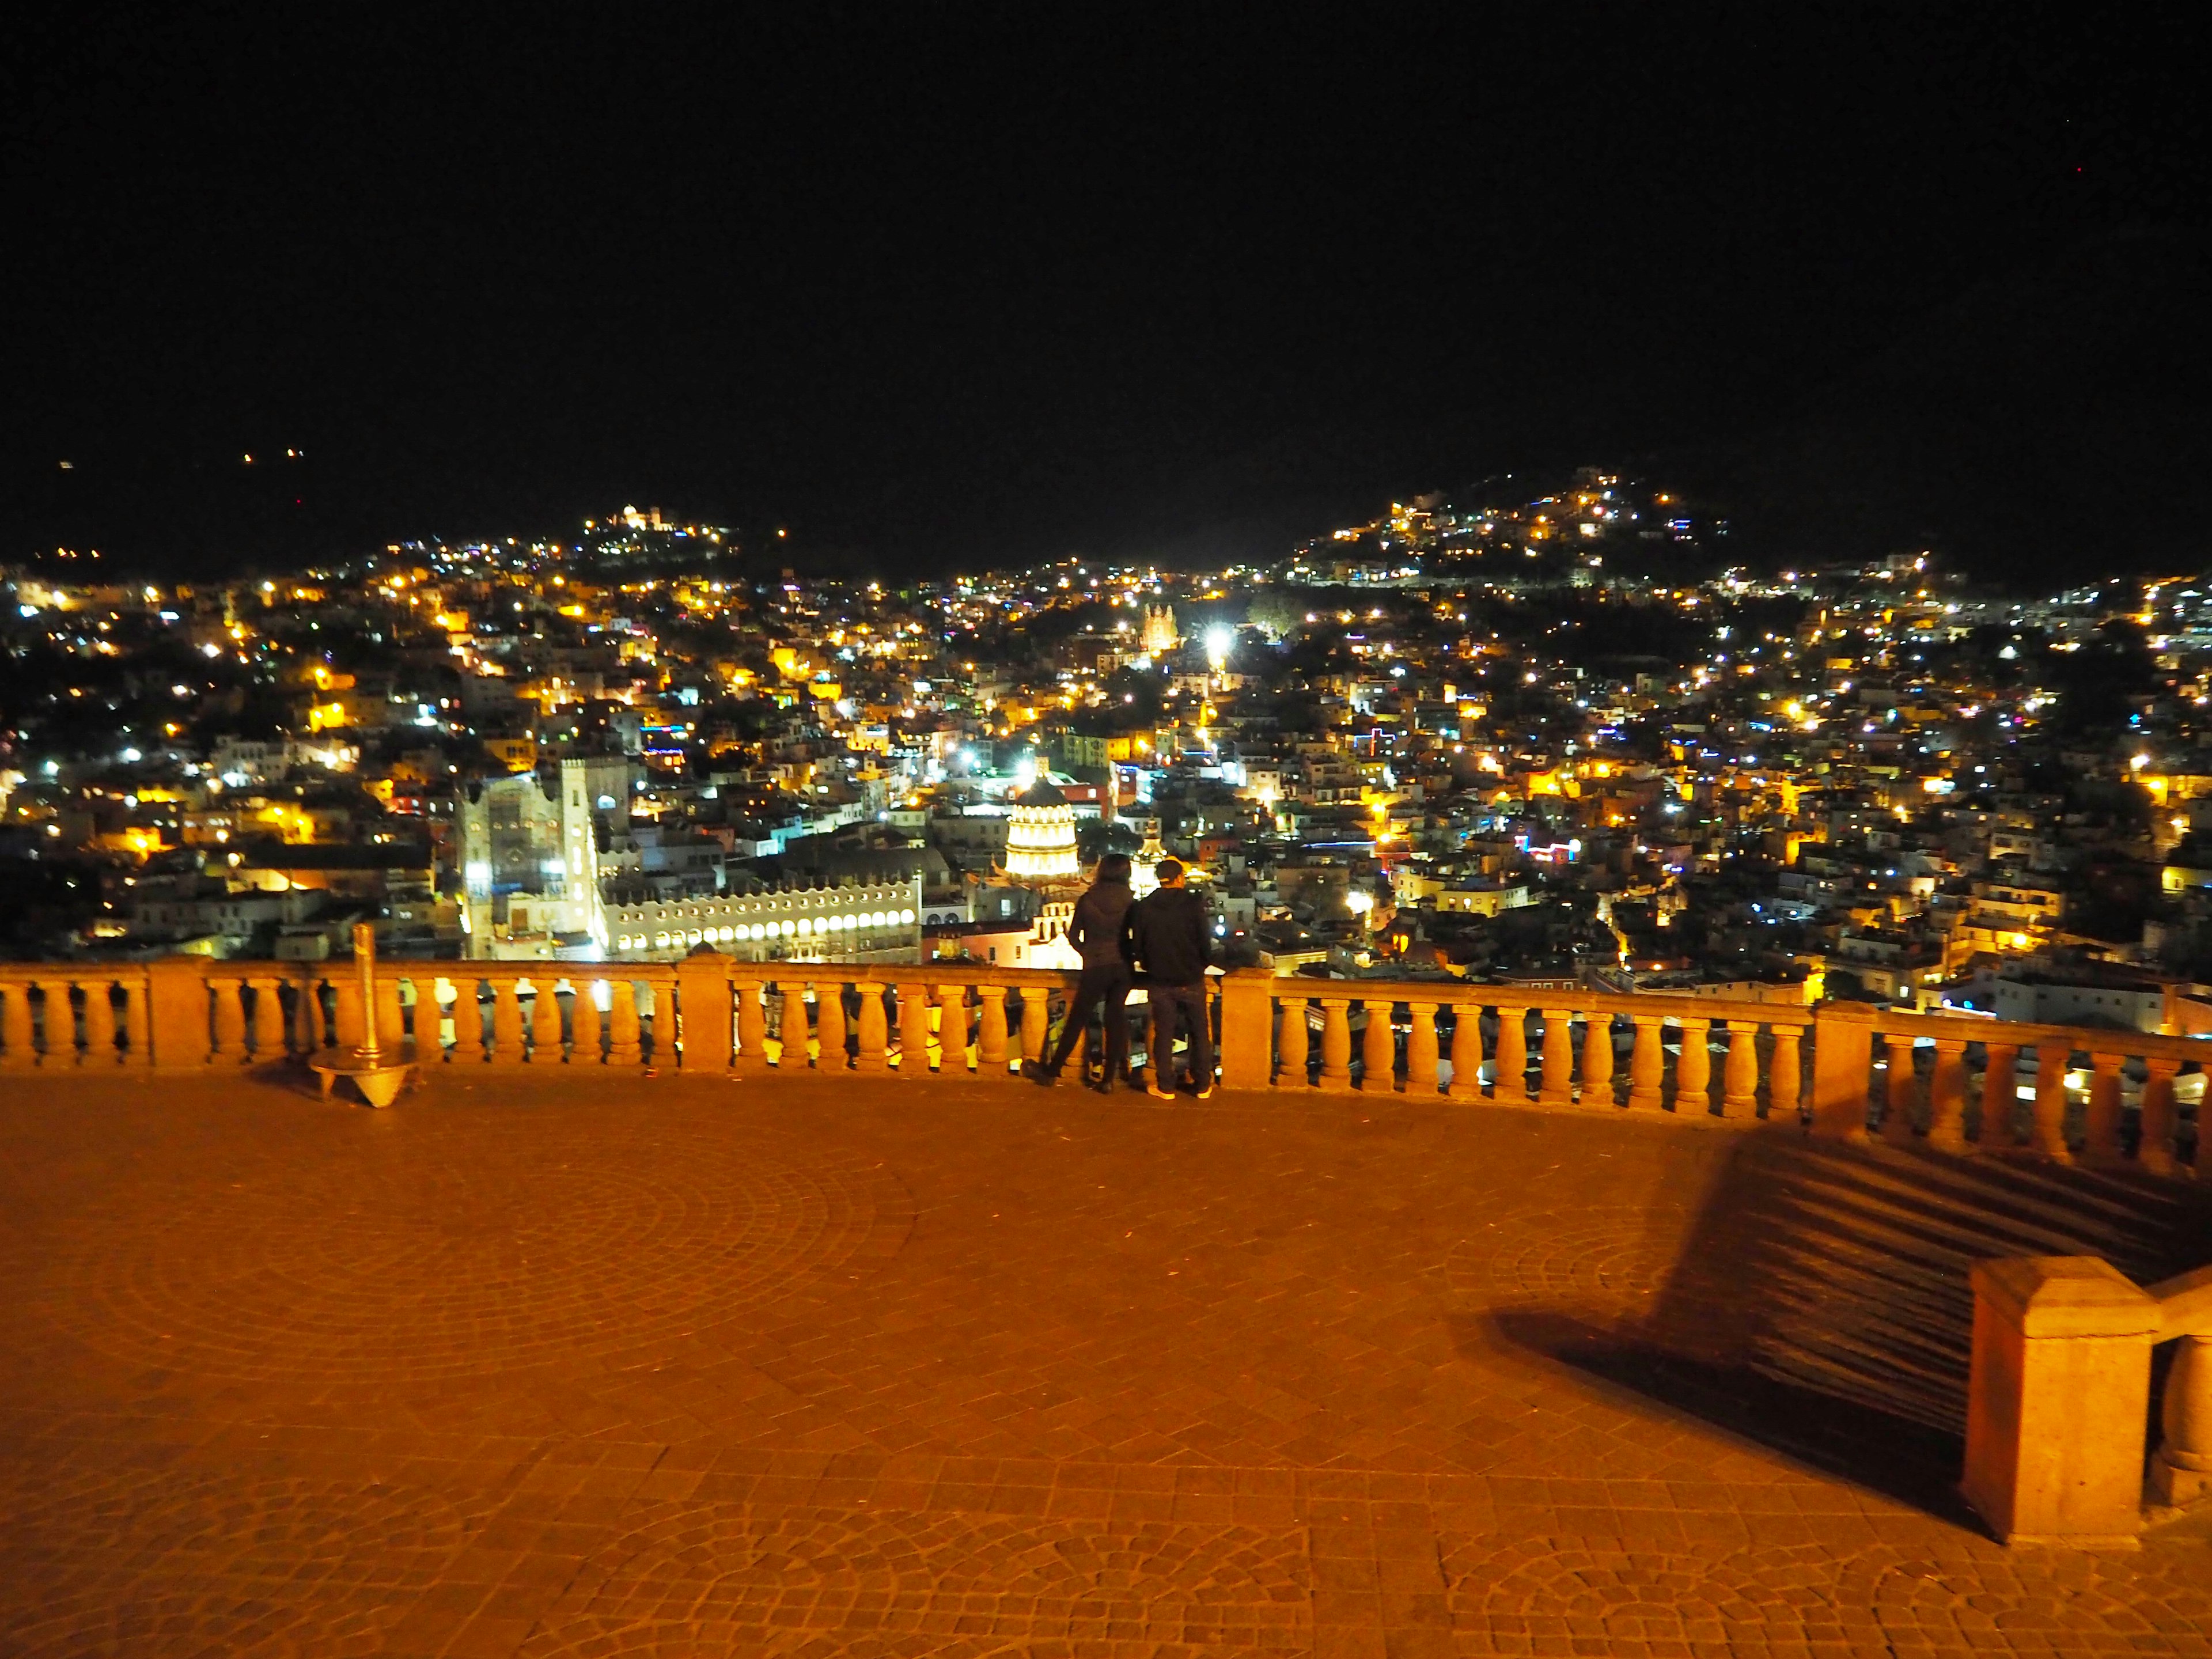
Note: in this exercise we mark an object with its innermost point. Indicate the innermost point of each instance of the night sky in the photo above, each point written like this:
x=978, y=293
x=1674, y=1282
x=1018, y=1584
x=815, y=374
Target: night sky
x=938, y=285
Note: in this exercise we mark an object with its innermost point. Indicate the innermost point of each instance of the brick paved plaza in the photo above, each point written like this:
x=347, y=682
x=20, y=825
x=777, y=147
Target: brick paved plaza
x=792, y=1366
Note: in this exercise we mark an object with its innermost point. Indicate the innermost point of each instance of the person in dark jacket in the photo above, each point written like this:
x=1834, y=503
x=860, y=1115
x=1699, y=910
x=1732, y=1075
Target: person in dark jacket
x=1095, y=933
x=1167, y=941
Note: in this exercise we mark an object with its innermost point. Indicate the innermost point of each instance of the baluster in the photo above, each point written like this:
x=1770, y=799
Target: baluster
x=390, y=1015
x=586, y=1046
x=2182, y=1470
x=656, y=1016
x=1378, y=1054
x=349, y=1018
x=2000, y=1096
x=229, y=1046
x=267, y=1025
x=1556, y=1082
x=545, y=1024
x=100, y=1048
x=1947, y=1097
x=991, y=1037
x=1693, y=1068
x=1292, y=1044
x=137, y=1033
x=2052, y=1060
x=1597, y=1060
x=60, y=1022
x=2155, y=1152
x=1739, y=1071
x=1036, y=1022
x=1784, y=1076
x=307, y=1015
x=913, y=1029
x=1466, y=1051
x=751, y=1057
x=829, y=1025
x=2102, y=1143
x=1335, y=1044
x=1421, y=1049
x=874, y=1029
x=1509, y=1070
x=1901, y=1089
x=507, y=1022
x=1647, y=1063
x=16, y=1029
x=625, y=1033
x=952, y=1030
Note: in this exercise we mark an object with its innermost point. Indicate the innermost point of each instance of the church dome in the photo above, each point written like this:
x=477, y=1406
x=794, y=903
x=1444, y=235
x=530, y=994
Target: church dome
x=1040, y=838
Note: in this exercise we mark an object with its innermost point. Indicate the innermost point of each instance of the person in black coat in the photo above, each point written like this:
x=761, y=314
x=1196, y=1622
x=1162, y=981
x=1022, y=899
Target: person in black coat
x=1095, y=933
x=1168, y=943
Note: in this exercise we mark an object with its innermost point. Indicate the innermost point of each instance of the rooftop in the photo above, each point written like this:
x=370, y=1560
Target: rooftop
x=544, y=1364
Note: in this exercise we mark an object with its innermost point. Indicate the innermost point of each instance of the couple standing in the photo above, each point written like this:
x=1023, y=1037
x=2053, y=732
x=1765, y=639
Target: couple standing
x=1159, y=940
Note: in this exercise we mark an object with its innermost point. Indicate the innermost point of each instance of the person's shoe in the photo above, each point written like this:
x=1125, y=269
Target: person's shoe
x=1160, y=1094
x=1043, y=1074
x=1206, y=1092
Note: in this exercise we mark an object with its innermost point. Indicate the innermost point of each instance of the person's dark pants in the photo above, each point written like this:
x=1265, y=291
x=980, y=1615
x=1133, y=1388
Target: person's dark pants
x=1106, y=989
x=1184, y=1005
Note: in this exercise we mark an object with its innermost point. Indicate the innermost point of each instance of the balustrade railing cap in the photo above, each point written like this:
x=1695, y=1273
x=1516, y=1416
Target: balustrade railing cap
x=2066, y=1296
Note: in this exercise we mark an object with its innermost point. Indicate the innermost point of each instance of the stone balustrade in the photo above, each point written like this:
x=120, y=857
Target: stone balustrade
x=2060, y=1391
x=1846, y=1070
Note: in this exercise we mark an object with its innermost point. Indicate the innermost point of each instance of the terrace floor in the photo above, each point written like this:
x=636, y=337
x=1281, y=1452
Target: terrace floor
x=671, y=1366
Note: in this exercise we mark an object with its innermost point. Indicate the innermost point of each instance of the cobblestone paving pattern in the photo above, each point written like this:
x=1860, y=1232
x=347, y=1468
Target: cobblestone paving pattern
x=543, y=1365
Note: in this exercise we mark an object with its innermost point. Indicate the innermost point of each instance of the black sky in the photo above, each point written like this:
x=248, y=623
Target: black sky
x=976, y=283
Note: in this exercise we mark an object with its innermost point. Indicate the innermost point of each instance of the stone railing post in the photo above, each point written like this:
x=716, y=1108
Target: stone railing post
x=952, y=1030
x=268, y=1023
x=506, y=1028
x=1739, y=1071
x=1597, y=1060
x=1647, y=1063
x=749, y=1058
x=1508, y=1066
x=100, y=1048
x=2000, y=1094
x=1335, y=1044
x=703, y=1005
x=1784, y=1076
x=1693, y=1068
x=2160, y=1115
x=991, y=1037
x=2101, y=1138
x=2052, y=1061
x=1378, y=1049
x=585, y=1026
x=2056, y=1399
x=625, y=1035
x=2181, y=1472
x=1947, y=1097
x=874, y=1029
x=1466, y=1051
x=1036, y=1023
x=1421, y=1054
x=1843, y=1056
x=1900, y=1089
x=1247, y=1019
x=914, y=1030
x=1556, y=1085
x=1295, y=1043
x=177, y=1013
x=545, y=1040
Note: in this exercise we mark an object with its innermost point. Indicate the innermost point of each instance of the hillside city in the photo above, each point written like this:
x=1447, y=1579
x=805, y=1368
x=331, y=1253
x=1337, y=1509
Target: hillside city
x=1554, y=740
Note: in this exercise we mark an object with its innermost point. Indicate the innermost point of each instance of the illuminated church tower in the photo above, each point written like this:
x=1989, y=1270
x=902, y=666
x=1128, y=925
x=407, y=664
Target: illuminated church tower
x=1160, y=634
x=1041, y=839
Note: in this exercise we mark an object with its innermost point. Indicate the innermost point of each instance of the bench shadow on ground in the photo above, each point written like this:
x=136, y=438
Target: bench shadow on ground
x=1815, y=1298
